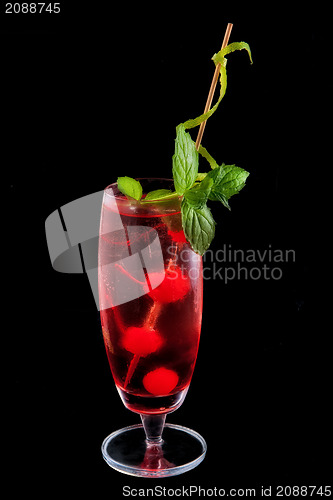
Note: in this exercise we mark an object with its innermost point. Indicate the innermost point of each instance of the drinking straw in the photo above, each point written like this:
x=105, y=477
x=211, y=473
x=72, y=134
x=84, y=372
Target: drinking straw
x=212, y=87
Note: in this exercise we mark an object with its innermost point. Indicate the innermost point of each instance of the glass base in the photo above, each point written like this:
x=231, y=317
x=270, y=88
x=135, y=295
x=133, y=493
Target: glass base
x=127, y=451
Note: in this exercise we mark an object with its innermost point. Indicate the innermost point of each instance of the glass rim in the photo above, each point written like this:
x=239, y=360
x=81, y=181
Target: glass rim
x=121, y=197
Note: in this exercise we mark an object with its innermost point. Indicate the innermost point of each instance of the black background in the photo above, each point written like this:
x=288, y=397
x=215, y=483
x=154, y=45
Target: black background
x=96, y=92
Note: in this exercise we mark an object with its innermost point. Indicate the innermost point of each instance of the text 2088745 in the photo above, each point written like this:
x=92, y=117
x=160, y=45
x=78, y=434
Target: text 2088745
x=32, y=8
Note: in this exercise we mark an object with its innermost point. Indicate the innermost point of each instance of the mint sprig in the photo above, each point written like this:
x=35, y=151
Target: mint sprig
x=195, y=188
x=222, y=182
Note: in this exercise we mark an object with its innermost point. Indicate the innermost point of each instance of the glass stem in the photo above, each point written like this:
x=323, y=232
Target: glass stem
x=153, y=426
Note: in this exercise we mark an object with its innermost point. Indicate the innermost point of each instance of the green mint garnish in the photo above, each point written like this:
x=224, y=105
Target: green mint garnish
x=197, y=196
x=185, y=161
x=130, y=187
x=160, y=194
x=228, y=180
x=198, y=226
x=219, y=184
x=196, y=188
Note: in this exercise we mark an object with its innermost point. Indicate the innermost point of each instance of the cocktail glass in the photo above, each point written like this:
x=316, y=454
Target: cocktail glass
x=150, y=294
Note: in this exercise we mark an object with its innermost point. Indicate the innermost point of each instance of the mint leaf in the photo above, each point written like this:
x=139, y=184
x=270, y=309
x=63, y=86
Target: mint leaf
x=228, y=181
x=198, y=226
x=160, y=194
x=216, y=196
x=197, y=196
x=184, y=161
x=130, y=187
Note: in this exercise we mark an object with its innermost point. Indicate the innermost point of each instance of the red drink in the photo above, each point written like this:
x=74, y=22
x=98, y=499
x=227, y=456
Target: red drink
x=150, y=287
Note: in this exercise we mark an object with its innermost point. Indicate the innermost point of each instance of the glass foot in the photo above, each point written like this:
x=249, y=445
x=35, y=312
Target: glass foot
x=127, y=451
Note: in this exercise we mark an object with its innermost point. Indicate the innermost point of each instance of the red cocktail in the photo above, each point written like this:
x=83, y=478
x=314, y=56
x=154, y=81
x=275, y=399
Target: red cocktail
x=150, y=288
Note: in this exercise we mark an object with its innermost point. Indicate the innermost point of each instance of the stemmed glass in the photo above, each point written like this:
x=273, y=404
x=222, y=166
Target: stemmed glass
x=150, y=294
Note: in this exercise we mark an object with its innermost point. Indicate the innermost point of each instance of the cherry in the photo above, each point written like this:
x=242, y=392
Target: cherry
x=174, y=287
x=141, y=340
x=160, y=381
